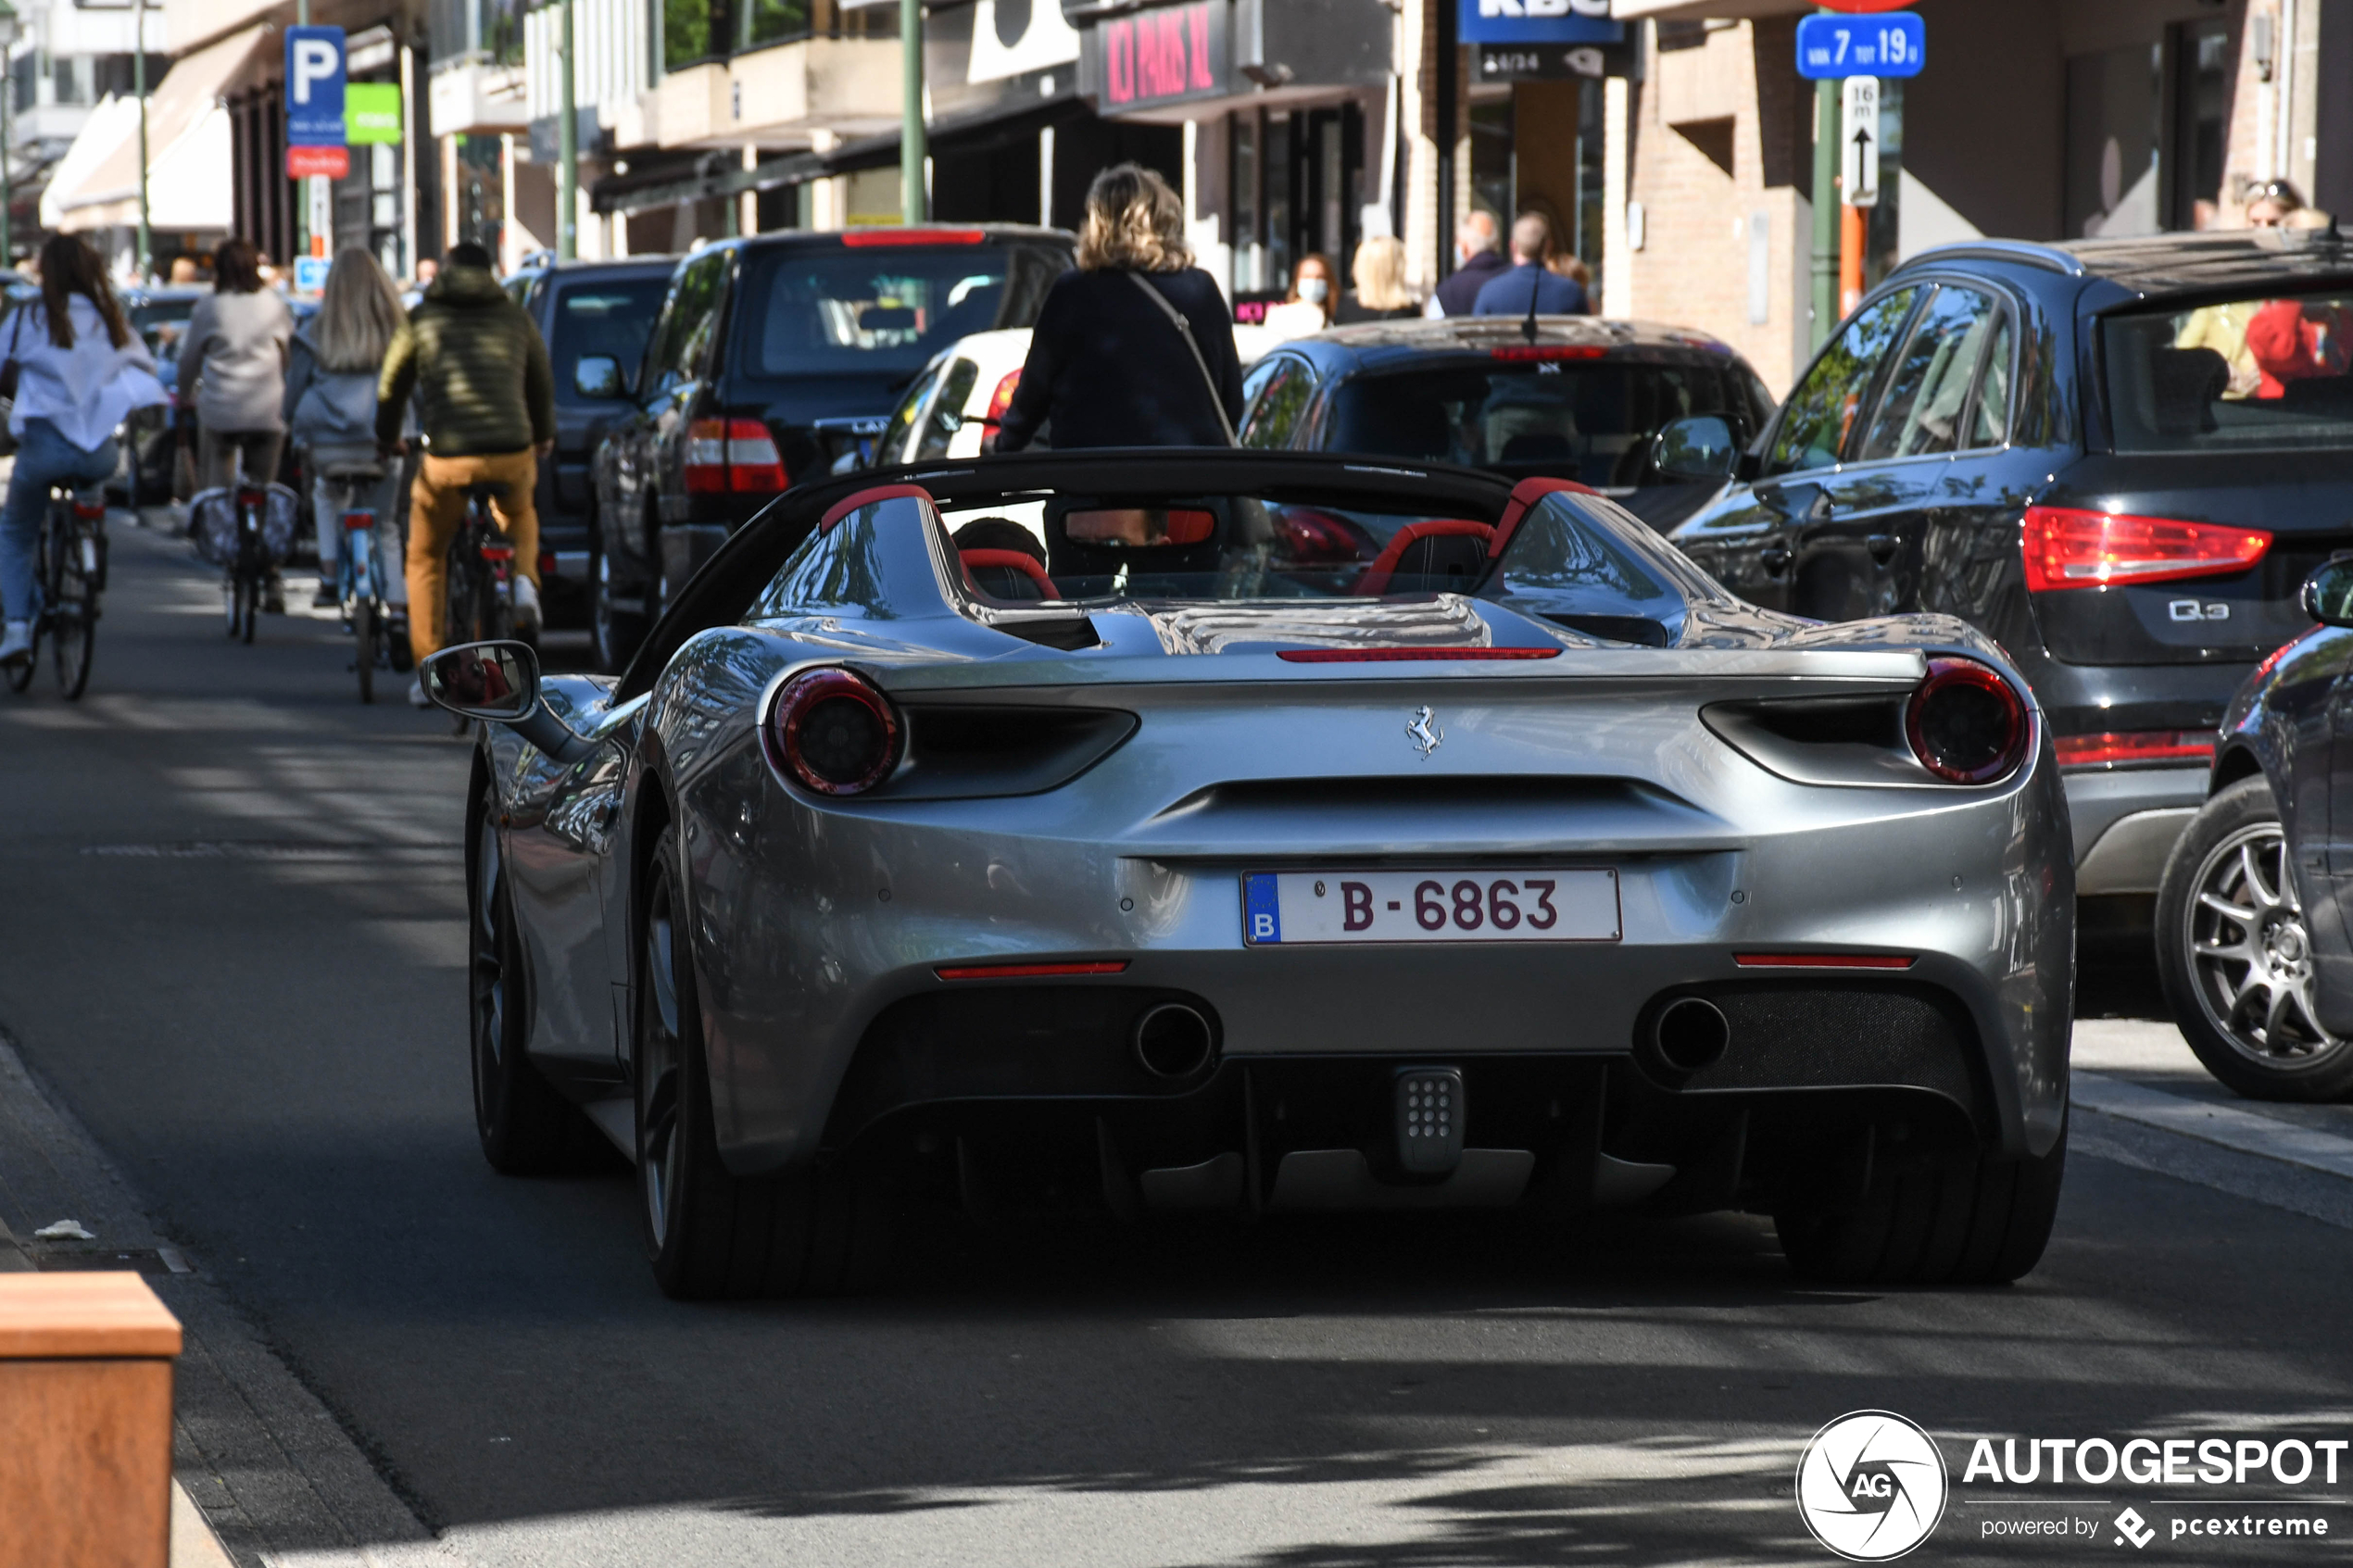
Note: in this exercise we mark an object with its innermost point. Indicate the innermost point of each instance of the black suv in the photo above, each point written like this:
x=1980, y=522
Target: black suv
x=596, y=316
x=777, y=358
x=2118, y=457
x=1575, y=398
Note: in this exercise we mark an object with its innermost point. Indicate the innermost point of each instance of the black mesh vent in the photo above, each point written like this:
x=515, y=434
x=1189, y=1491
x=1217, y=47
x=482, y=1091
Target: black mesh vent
x=1812, y=1035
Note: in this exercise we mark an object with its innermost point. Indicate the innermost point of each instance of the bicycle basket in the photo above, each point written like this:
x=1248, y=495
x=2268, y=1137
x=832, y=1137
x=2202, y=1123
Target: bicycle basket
x=212, y=523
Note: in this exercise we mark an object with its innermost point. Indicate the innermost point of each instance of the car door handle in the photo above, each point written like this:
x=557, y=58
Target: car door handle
x=1882, y=546
x=1774, y=559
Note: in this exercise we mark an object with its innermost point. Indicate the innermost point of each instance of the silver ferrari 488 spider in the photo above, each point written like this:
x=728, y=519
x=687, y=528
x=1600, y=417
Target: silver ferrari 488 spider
x=1261, y=832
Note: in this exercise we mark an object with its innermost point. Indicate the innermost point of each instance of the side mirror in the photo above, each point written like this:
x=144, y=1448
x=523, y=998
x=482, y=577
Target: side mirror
x=597, y=375
x=1698, y=450
x=2327, y=595
x=498, y=682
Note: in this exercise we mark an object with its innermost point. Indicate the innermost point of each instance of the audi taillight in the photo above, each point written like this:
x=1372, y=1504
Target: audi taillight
x=1965, y=723
x=833, y=732
x=2115, y=749
x=736, y=455
x=2068, y=547
x=1001, y=400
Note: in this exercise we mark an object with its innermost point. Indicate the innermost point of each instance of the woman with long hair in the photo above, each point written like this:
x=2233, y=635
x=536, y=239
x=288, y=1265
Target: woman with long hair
x=330, y=411
x=1380, y=293
x=1135, y=347
x=80, y=370
x=232, y=364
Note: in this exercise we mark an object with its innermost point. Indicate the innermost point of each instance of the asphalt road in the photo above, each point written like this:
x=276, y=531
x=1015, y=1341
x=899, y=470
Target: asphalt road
x=230, y=946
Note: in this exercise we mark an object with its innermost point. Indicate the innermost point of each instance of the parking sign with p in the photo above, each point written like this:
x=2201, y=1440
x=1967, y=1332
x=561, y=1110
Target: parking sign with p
x=314, y=87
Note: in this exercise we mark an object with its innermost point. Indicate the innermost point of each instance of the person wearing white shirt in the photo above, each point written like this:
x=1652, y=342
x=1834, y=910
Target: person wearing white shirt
x=80, y=371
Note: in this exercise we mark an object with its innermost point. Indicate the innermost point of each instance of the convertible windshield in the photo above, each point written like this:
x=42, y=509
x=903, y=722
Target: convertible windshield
x=2240, y=374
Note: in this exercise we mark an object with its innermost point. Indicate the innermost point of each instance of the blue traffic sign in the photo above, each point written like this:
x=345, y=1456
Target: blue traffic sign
x=1890, y=43
x=314, y=87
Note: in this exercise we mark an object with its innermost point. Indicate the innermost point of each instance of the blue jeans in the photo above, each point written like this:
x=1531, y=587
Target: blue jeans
x=44, y=458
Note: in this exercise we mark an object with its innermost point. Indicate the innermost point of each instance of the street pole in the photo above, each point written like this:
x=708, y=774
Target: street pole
x=914, y=205
x=8, y=186
x=139, y=89
x=302, y=206
x=1826, y=205
x=567, y=154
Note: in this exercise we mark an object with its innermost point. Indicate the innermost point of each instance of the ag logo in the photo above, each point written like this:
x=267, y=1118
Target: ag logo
x=1871, y=1486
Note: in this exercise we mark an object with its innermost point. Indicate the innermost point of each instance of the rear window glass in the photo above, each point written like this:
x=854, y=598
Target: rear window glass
x=1590, y=421
x=2251, y=374
x=884, y=307
x=610, y=318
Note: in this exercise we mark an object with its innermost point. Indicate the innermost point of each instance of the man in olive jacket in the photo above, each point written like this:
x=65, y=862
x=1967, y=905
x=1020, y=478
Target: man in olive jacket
x=488, y=401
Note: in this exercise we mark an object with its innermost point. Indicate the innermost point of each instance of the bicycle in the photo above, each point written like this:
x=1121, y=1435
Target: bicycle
x=72, y=569
x=359, y=579
x=247, y=574
x=481, y=574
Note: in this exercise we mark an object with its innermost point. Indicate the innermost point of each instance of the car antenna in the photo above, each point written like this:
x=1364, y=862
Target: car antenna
x=1535, y=277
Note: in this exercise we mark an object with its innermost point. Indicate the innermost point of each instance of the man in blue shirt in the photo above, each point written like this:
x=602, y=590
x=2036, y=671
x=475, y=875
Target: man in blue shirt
x=1508, y=294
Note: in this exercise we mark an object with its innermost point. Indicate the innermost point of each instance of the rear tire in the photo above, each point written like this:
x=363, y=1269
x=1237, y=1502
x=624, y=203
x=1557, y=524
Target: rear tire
x=249, y=590
x=363, y=636
x=615, y=633
x=1944, y=1219
x=710, y=1234
x=74, y=643
x=527, y=1129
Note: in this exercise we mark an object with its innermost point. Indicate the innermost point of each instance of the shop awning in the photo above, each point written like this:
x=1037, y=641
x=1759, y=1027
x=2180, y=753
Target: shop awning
x=189, y=166
x=976, y=133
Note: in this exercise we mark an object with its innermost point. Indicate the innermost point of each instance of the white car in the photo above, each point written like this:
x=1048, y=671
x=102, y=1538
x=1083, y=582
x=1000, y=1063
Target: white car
x=963, y=393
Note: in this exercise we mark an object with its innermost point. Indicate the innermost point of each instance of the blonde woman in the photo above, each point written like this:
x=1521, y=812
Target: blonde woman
x=1135, y=347
x=331, y=412
x=1379, y=274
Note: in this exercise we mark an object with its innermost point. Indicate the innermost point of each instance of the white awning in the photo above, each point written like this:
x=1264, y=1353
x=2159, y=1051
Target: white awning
x=190, y=171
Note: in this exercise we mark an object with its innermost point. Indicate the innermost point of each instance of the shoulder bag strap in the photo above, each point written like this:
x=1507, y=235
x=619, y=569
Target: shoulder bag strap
x=1184, y=331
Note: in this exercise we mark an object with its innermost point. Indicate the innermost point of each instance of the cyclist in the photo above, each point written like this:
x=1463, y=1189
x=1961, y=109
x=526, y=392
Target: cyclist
x=80, y=371
x=232, y=373
x=488, y=403
x=331, y=412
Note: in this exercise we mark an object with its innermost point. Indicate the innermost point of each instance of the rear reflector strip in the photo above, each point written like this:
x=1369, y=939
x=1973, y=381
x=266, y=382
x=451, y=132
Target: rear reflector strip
x=2114, y=747
x=1406, y=655
x=1548, y=350
x=1823, y=961
x=862, y=237
x=1027, y=970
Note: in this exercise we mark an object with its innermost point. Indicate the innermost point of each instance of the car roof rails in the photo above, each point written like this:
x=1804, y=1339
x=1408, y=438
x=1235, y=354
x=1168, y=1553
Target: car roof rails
x=2048, y=257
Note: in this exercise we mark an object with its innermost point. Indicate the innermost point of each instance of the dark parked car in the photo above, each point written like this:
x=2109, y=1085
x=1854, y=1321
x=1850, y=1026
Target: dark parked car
x=776, y=357
x=2253, y=938
x=596, y=316
x=1583, y=399
x=2117, y=458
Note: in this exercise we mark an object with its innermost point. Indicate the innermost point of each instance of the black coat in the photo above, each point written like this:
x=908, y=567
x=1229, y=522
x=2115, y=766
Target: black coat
x=1460, y=291
x=1109, y=369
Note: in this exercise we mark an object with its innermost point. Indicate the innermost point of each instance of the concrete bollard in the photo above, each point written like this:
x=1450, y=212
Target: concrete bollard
x=85, y=1421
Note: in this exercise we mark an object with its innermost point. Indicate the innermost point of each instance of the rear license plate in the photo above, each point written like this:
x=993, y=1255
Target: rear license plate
x=1298, y=908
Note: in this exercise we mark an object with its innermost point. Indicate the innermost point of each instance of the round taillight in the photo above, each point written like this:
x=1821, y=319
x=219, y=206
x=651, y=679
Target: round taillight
x=834, y=733
x=1965, y=723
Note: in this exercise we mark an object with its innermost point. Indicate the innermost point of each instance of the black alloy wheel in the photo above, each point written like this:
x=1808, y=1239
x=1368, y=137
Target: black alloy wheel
x=2235, y=952
x=527, y=1129
x=710, y=1233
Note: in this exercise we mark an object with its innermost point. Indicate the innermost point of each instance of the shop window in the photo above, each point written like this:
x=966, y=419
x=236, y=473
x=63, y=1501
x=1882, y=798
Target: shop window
x=1493, y=178
x=2201, y=113
x=1278, y=201
x=693, y=31
x=1249, y=250
x=773, y=22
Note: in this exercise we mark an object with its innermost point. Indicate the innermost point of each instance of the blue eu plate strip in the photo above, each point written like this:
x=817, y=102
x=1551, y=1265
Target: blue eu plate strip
x=1262, y=911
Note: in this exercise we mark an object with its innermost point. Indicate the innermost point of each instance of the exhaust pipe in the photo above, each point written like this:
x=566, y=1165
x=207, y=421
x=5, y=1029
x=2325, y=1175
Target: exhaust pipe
x=1174, y=1040
x=1691, y=1034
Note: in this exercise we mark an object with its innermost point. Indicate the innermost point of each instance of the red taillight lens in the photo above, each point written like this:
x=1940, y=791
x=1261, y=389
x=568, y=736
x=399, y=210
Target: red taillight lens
x=833, y=732
x=862, y=238
x=732, y=455
x=357, y=522
x=2114, y=748
x=1001, y=400
x=2070, y=549
x=1965, y=723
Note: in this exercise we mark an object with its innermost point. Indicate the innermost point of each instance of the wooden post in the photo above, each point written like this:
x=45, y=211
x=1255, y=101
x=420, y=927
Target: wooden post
x=85, y=1421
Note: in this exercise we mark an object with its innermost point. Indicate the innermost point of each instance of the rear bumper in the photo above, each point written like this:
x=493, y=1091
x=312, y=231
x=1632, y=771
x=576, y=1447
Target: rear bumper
x=2125, y=823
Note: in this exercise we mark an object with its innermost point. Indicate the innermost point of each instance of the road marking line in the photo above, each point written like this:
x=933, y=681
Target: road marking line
x=2227, y=1125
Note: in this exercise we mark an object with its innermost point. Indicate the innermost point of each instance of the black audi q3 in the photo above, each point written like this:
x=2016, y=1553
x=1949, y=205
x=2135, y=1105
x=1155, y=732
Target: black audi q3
x=2119, y=457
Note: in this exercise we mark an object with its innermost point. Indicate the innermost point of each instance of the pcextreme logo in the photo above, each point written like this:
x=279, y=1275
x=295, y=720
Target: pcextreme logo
x=1871, y=1486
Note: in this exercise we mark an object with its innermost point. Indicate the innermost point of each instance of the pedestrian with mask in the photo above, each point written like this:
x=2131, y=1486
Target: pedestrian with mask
x=1308, y=308
x=1530, y=288
x=1477, y=263
x=80, y=370
x=1134, y=347
x=331, y=411
x=487, y=398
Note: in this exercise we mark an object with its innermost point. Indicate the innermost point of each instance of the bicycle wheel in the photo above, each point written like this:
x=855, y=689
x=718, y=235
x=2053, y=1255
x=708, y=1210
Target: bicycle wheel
x=250, y=591
x=363, y=637
x=73, y=609
x=231, y=600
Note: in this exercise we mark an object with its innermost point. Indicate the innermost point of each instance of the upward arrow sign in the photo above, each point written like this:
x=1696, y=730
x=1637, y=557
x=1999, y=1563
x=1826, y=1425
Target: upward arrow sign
x=1860, y=123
